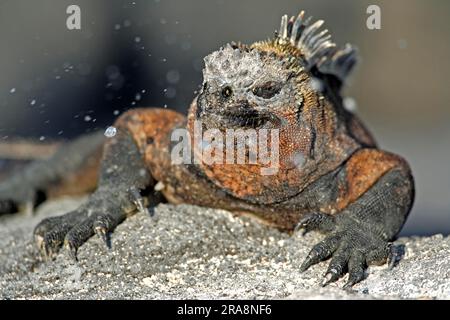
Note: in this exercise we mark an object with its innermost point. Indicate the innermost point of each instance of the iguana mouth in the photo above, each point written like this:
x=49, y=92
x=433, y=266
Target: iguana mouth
x=245, y=118
x=248, y=118
x=240, y=115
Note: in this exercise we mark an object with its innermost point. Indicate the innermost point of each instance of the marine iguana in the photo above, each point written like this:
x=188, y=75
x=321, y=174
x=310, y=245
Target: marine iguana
x=331, y=175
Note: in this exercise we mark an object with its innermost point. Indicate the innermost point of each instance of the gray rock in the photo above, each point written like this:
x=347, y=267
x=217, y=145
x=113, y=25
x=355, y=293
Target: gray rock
x=189, y=252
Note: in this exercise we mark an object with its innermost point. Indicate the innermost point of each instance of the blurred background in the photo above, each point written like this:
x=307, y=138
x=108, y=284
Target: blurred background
x=56, y=83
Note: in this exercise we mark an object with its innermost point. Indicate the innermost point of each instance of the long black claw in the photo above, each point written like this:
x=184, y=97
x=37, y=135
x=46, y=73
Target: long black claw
x=309, y=261
x=48, y=251
x=349, y=285
x=105, y=224
x=395, y=253
x=39, y=240
x=50, y=244
x=72, y=250
x=317, y=254
x=353, y=279
x=356, y=267
x=320, y=252
x=137, y=199
x=330, y=277
x=337, y=265
x=103, y=234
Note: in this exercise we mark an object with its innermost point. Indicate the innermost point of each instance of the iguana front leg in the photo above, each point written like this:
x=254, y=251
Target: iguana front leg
x=123, y=174
x=377, y=191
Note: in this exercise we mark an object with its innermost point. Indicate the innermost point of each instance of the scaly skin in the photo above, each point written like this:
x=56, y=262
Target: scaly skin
x=331, y=176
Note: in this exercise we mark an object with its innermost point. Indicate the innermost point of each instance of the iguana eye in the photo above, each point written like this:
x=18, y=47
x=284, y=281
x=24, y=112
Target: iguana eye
x=267, y=90
x=227, y=92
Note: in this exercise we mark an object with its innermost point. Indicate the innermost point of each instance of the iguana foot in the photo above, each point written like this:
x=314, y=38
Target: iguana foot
x=100, y=215
x=351, y=245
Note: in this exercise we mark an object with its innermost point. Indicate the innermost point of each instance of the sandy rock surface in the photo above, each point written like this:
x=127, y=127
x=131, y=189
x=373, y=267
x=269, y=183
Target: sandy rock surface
x=187, y=252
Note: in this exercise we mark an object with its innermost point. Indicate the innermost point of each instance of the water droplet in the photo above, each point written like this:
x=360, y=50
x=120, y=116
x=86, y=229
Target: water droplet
x=138, y=97
x=87, y=118
x=33, y=102
x=137, y=39
x=170, y=92
x=402, y=43
x=41, y=138
x=185, y=45
x=116, y=112
x=173, y=76
x=142, y=172
x=110, y=132
x=12, y=90
x=117, y=27
x=170, y=39
x=112, y=72
x=197, y=64
x=298, y=159
x=350, y=104
x=84, y=69
x=316, y=84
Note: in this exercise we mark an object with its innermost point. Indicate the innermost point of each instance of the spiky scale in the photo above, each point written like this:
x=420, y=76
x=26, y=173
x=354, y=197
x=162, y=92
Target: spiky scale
x=316, y=46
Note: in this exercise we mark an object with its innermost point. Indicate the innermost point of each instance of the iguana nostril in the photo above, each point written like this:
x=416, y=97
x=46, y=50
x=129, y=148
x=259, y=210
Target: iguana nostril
x=240, y=105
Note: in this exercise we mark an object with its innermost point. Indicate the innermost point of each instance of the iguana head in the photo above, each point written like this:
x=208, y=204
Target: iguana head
x=272, y=83
x=289, y=84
